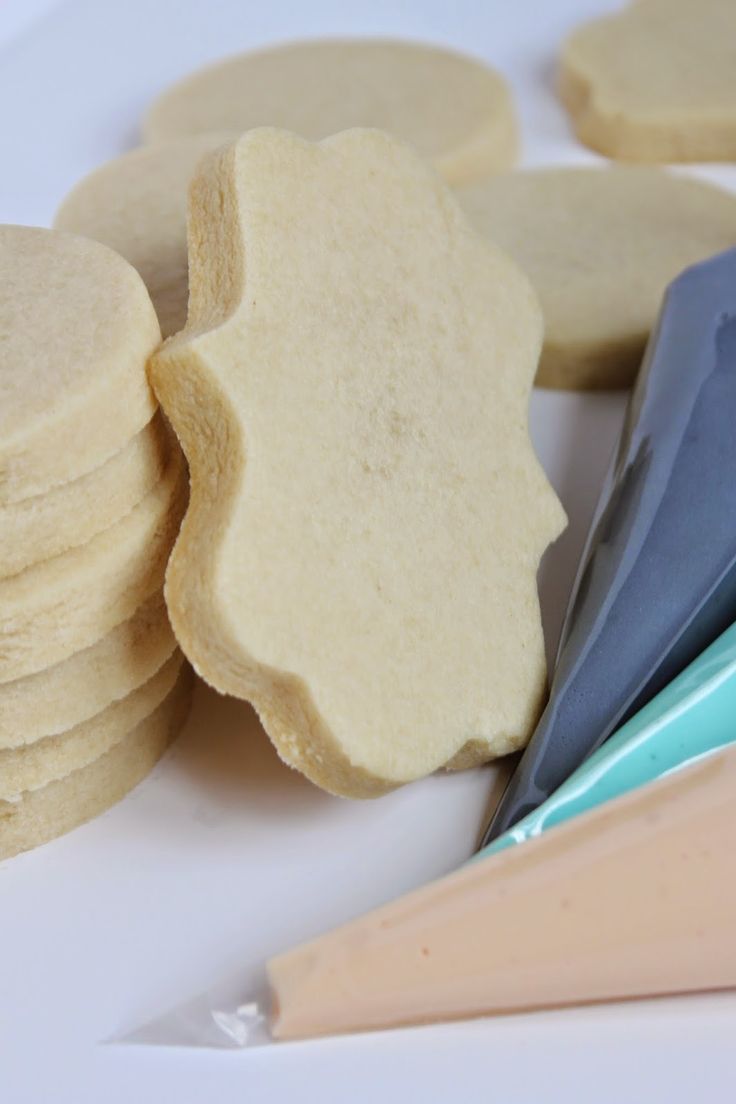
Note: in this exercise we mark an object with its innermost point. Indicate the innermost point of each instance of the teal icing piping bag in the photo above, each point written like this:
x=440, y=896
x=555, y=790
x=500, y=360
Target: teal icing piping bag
x=694, y=716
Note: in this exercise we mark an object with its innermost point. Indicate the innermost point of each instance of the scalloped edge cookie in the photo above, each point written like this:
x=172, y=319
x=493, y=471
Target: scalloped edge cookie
x=367, y=517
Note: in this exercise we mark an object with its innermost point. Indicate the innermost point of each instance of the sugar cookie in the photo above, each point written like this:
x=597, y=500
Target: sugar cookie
x=72, y=691
x=76, y=325
x=655, y=82
x=41, y=815
x=38, y=528
x=60, y=606
x=452, y=108
x=37, y=764
x=600, y=247
x=360, y=555
x=137, y=204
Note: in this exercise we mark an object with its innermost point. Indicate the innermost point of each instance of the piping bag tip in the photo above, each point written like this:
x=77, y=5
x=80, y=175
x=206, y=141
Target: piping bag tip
x=509, y=811
x=218, y=1018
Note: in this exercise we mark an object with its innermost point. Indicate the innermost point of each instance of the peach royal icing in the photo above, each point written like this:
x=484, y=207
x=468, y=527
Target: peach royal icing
x=635, y=898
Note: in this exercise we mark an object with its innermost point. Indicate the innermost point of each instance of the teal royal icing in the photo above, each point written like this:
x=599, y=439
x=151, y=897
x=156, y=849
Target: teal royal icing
x=691, y=718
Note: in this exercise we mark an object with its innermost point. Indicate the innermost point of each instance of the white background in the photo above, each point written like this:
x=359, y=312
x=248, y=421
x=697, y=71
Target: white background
x=223, y=855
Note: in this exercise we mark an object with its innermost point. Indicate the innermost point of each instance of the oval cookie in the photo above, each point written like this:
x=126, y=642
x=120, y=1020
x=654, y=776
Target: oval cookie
x=600, y=247
x=453, y=109
x=38, y=528
x=55, y=608
x=137, y=204
x=65, y=695
x=41, y=815
x=77, y=326
x=35, y=765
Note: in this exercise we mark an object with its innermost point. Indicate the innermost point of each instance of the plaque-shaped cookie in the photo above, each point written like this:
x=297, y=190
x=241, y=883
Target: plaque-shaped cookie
x=367, y=514
x=655, y=82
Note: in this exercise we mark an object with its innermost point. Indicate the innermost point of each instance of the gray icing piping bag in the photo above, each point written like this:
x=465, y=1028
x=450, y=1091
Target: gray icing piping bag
x=657, y=579
x=689, y=720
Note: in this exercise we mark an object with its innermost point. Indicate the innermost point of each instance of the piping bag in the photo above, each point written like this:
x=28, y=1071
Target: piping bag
x=657, y=578
x=651, y=821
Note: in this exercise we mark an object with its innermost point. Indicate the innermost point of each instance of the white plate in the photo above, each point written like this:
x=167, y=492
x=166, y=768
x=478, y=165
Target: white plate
x=223, y=855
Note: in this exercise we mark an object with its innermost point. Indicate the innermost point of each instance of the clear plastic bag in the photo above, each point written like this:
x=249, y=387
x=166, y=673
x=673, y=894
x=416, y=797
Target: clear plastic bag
x=223, y=1017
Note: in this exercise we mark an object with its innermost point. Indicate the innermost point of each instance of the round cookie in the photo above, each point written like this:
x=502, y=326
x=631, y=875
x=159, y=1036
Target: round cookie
x=55, y=608
x=41, y=815
x=38, y=528
x=77, y=326
x=600, y=247
x=35, y=765
x=655, y=82
x=70, y=692
x=455, y=110
x=137, y=204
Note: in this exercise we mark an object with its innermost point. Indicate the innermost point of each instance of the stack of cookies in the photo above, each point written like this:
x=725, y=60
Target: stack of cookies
x=92, y=491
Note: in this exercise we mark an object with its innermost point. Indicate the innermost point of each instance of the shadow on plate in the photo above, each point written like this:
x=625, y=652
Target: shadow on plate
x=225, y=751
x=499, y=772
x=593, y=426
